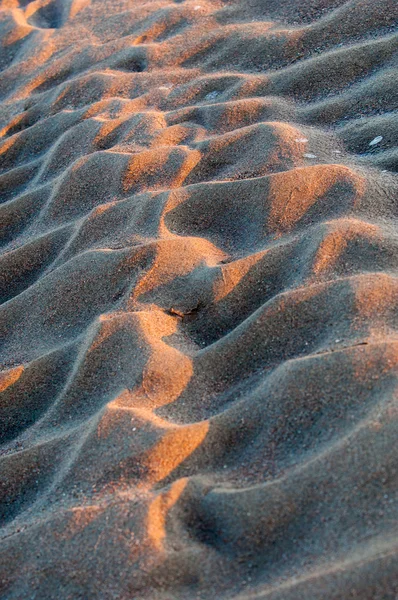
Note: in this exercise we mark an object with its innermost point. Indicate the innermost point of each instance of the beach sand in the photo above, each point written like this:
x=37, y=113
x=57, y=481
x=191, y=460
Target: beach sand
x=199, y=316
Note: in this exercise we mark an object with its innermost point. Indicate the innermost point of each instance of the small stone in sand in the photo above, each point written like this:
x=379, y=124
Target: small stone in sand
x=309, y=155
x=211, y=95
x=302, y=140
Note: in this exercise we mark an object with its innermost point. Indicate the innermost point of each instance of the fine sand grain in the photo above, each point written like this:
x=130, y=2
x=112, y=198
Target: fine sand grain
x=199, y=299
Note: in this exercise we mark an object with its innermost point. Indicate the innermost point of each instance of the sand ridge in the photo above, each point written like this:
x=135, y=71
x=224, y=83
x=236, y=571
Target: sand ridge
x=199, y=294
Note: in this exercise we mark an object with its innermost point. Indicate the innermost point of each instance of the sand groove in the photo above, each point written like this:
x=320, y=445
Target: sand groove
x=199, y=299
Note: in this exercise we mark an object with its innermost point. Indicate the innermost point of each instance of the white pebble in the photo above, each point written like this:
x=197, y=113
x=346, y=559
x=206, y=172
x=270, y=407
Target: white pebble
x=301, y=140
x=309, y=155
x=377, y=140
x=211, y=95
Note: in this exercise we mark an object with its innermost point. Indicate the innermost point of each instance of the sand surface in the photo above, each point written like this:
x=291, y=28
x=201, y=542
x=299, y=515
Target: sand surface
x=198, y=272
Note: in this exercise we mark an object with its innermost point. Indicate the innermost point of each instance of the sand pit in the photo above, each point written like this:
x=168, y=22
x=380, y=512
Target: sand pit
x=199, y=299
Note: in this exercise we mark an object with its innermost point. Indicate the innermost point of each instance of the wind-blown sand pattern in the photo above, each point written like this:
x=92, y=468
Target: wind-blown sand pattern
x=199, y=299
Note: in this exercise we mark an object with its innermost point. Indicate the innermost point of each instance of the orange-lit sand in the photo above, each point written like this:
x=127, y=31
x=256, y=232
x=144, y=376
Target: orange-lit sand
x=199, y=287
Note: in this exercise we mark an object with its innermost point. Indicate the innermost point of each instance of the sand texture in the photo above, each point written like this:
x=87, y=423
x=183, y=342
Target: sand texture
x=199, y=299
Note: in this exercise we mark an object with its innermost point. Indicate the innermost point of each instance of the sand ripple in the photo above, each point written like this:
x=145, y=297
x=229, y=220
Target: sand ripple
x=199, y=290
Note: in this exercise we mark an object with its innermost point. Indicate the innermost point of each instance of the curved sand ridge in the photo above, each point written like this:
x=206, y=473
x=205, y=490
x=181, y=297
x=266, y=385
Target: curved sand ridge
x=199, y=299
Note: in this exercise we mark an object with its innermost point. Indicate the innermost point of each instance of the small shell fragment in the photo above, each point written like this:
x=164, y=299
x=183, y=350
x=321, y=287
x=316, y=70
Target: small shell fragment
x=376, y=140
x=302, y=140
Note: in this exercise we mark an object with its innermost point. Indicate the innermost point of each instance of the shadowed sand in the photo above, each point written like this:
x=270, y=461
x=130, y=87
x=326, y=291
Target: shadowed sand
x=198, y=277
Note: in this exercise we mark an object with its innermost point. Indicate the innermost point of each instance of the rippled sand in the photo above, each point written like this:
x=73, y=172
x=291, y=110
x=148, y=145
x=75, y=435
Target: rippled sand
x=199, y=292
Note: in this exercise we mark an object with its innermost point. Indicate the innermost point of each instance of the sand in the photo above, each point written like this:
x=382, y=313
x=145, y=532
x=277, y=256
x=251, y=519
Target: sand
x=198, y=270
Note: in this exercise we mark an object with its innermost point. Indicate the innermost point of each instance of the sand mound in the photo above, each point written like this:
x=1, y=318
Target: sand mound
x=199, y=294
